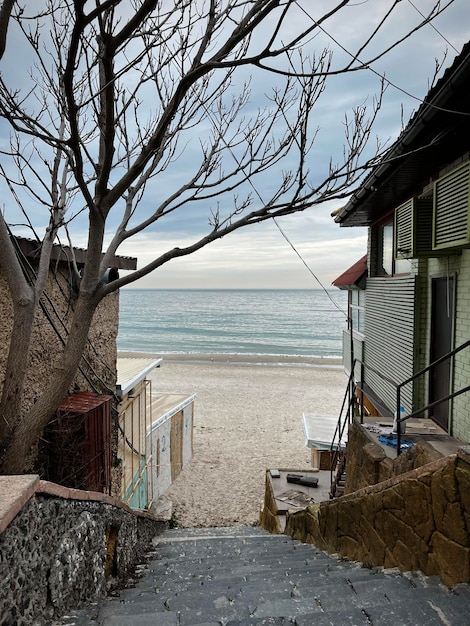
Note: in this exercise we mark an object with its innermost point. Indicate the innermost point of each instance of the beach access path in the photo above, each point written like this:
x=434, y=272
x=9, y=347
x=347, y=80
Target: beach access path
x=248, y=418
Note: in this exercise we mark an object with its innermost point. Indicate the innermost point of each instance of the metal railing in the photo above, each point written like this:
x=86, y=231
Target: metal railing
x=350, y=402
x=421, y=410
x=344, y=419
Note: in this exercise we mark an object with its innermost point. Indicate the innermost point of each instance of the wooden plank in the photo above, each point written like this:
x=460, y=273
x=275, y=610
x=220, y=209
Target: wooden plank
x=176, y=444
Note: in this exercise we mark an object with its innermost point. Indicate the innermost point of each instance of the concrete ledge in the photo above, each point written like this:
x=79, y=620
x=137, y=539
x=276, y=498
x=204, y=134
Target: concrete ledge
x=15, y=491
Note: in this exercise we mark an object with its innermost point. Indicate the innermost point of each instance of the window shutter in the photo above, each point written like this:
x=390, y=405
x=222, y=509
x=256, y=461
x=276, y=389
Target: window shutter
x=404, y=228
x=413, y=229
x=451, y=210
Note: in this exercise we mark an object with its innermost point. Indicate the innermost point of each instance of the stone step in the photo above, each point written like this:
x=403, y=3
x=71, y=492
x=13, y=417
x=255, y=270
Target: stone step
x=221, y=531
x=246, y=577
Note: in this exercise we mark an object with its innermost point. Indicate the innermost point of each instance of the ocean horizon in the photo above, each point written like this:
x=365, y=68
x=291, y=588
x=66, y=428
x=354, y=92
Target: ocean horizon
x=270, y=322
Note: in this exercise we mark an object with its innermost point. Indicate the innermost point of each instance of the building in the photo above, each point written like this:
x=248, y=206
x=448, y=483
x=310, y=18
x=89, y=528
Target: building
x=83, y=427
x=414, y=306
x=405, y=502
x=155, y=433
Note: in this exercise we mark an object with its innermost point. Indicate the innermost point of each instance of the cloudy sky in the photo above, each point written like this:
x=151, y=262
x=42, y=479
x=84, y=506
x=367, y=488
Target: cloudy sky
x=260, y=256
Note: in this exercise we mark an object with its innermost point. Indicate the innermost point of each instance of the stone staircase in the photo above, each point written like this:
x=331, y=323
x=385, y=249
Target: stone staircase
x=243, y=576
x=339, y=479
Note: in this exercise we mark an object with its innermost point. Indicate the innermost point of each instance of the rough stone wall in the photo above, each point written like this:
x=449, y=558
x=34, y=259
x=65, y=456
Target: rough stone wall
x=367, y=463
x=60, y=554
x=417, y=521
x=268, y=517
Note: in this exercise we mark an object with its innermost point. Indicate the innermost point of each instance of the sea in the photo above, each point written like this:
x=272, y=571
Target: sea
x=271, y=322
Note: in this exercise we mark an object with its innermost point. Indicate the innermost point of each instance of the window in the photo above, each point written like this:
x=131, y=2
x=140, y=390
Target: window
x=356, y=310
x=386, y=264
x=385, y=250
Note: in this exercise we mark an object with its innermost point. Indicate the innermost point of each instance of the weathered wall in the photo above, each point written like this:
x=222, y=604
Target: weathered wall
x=188, y=421
x=367, y=463
x=98, y=364
x=268, y=518
x=160, y=436
x=58, y=554
x=417, y=521
x=101, y=351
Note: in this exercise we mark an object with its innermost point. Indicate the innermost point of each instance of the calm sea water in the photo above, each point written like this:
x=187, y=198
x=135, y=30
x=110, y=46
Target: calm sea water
x=267, y=322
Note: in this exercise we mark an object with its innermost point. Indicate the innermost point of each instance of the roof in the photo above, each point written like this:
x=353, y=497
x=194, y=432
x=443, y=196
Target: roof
x=436, y=135
x=132, y=370
x=83, y=402
x=31, y=249
x=353, y=275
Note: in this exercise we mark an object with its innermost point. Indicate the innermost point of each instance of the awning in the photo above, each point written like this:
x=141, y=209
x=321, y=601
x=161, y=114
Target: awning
x=352, y=276
x=132, y=370
x=320, y=430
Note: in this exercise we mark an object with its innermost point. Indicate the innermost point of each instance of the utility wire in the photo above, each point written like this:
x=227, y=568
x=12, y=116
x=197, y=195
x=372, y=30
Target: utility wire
x=258, y=194
x=433, y=27
x=378, y=74
x=309, y=268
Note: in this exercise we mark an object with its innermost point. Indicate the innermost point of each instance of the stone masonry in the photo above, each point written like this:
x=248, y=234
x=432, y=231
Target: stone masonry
x=415, y=521
x=63, y=548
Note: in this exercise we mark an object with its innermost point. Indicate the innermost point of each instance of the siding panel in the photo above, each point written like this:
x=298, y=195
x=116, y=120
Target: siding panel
x=389, y=332
x=451, y=209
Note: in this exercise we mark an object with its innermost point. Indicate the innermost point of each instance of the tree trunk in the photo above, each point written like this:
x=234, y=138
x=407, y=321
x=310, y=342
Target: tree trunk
x=27, y=431
x=20, y=341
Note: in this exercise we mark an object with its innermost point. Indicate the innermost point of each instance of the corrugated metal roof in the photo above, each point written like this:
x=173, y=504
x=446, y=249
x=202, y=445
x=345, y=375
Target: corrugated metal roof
x=165, y=405
x=32, y=249
x=320, y=430
x=83, y=402
x=352, y=275
x=132, y=370
x=436, y=135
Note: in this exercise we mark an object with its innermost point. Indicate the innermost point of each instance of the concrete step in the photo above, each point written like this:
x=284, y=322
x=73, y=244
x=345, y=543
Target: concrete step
x=244, y=576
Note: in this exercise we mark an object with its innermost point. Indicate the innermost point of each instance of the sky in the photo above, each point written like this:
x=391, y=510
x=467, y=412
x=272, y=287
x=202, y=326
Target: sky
x=308, y=250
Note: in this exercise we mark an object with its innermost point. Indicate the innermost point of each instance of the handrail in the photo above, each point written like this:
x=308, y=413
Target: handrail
x=398, y=387
x=341, y=424
x=426, y=369
x=351, y=388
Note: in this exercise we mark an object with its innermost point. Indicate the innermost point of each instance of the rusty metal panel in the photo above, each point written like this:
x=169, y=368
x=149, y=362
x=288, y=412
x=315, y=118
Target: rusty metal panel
x=76, y=447
x=98, y=447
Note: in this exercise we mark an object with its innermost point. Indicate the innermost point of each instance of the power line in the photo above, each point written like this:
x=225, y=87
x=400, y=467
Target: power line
x=433, y=27
x=309, y=268
x=371, y=69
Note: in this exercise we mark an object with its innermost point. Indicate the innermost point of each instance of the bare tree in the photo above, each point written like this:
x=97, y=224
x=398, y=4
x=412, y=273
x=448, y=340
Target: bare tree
x=116, y=94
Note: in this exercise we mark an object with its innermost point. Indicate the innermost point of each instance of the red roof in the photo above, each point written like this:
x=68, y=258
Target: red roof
x=83, y=402
x=353, y=275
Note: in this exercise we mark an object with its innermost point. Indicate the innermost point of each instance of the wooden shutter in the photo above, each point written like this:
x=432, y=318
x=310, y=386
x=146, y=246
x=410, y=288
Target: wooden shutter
x=413, y=229
x=451, y=209
x=404, y=230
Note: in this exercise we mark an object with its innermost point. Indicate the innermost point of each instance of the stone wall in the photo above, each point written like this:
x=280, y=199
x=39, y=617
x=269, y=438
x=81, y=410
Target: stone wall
x=367, y=463
x=268, y=518
x=65, y=548
x=100, y=353
x=416, y=521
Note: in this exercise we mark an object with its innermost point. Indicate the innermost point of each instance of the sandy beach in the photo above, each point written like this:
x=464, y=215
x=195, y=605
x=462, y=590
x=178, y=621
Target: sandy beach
x=248, y=417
